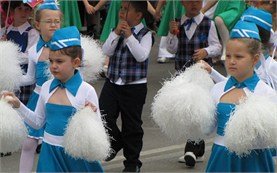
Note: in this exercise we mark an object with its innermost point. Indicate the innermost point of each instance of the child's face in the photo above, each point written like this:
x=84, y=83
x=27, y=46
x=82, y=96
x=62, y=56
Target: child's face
x=192, y=7
x=239, y=62
x=49, y=22
x=128, y=12
x=268, y=5
x=62, y=66
x=22, y=14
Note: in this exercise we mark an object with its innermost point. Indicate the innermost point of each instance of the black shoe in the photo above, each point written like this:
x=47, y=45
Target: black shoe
x=111, y=155
x=196, y=147
x=6, y=154
x=190, y=159
x=38, y=149
x=102, y=74
x=131, y=169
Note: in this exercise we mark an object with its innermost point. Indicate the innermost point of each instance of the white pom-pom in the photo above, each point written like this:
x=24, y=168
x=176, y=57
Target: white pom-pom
x=12, y=129
x=9, y=66
x=86, y=137
x=197, y=75
x=93, y=59
x=183, y=111
x=252, y=126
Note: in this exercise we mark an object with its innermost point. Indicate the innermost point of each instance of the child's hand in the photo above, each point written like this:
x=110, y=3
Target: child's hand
x=3, y=38
x=174, y=27
x=93, y=107
x=10, y=98
x=199, y=54
x=206, y=66
x=90, y=9
x=157, y=15
x=126, y=29
x=119, y=27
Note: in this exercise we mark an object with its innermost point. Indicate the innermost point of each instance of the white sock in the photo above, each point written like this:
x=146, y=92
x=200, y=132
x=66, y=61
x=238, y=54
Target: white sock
x=28, y=155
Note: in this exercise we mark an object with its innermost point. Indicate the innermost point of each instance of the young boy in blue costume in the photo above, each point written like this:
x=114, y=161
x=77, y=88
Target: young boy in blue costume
x=23, y=34
x=124, y=91
x=197, y=40
x=47, y=20
x=242, y=54
x=58, y=101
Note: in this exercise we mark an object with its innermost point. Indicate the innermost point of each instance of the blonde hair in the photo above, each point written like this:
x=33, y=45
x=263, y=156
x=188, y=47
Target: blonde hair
x=254, y=46
x=38, y=15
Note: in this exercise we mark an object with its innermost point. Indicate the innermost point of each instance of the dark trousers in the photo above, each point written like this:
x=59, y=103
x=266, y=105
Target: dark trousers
x=128, y=100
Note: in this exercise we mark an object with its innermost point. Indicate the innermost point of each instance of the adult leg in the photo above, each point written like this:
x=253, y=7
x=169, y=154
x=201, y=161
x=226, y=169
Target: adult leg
x=164, y=55
x=223, y=33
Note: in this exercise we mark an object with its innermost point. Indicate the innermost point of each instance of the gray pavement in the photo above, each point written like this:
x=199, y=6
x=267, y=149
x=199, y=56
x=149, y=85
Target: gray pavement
x=159, y=153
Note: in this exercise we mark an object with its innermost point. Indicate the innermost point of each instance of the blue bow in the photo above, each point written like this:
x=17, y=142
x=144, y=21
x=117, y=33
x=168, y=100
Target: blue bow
x=72, y=85
x=188, y=23
x=249, y=83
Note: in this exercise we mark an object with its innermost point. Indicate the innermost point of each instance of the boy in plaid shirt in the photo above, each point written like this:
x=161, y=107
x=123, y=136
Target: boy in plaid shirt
x=124, y=91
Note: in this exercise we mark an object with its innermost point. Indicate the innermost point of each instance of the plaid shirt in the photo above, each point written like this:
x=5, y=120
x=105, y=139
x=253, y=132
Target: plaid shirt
x=186, y=47
x=123, y=64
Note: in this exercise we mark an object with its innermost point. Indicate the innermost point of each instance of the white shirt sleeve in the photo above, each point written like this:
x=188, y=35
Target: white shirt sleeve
x=34, y=119
x=29, y=78
x=216, y=76
x=214, y=48
x=92, y=97
x=172, y=43
x=110, y=44
x=33, y=37
x=140, y=50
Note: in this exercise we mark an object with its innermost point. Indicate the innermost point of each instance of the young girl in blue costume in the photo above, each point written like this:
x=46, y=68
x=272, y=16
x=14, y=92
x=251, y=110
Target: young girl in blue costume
x=266, y=68
x=47, y=20
x=58, y=101
x=242, y=54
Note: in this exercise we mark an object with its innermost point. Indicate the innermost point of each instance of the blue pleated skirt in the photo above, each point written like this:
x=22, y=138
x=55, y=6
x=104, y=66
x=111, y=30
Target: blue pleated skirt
x=54, y=159
x=221, y=160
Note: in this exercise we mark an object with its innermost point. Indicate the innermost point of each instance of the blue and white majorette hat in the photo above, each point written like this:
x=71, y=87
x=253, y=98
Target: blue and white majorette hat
x=244, y=29
x=49, y=5
x=259, y=17
x=65, y=37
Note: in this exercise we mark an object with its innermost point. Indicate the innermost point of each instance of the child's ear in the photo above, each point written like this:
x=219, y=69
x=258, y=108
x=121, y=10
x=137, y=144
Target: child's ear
x=76, y=62
x=139, y=15
x=256, y=59
x=36, y=23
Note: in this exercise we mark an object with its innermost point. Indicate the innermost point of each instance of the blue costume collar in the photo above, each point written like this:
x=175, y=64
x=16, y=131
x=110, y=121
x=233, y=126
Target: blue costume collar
x=72, y=85
x=41, y=44
x=249, y=83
